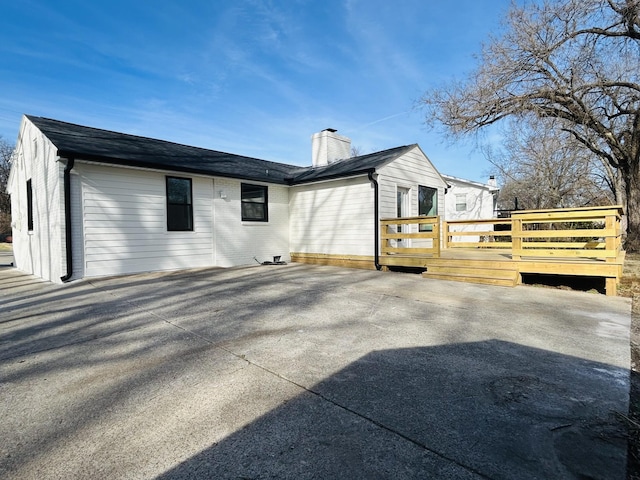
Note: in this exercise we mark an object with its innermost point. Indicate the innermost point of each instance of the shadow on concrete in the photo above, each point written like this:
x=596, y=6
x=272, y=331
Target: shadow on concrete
x=489, y=409
x=91, y=360
x=43, y=316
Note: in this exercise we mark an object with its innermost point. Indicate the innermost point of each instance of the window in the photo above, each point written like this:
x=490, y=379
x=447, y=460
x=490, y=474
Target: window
x=254, y=203
x=461, y=202
x=427, y=204
x=29, y=206
x=427, y=201
x=179, y=204
x=403, y=208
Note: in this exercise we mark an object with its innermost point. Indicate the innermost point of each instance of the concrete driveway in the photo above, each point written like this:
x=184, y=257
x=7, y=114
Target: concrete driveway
x=6, y=257
x=303, y=371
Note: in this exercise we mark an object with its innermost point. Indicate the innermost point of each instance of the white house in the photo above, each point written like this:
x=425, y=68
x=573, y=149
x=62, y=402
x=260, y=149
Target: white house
x=88, y=202
x=468, y=200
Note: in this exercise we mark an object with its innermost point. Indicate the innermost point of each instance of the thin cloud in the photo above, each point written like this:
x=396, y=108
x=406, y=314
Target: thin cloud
x=256, y=77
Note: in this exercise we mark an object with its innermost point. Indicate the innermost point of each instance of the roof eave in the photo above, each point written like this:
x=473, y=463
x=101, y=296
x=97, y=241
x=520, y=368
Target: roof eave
x=338, y=176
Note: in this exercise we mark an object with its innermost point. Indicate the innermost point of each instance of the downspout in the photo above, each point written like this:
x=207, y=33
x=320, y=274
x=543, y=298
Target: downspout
x=376, y=219
x=67, y=218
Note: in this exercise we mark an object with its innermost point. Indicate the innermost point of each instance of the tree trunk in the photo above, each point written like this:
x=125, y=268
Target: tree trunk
x=632, y=209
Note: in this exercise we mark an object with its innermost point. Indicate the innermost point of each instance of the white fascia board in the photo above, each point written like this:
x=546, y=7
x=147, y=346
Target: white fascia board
x=485, y=186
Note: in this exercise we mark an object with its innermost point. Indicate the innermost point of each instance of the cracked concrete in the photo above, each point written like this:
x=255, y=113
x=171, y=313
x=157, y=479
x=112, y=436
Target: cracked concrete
x=308, y=372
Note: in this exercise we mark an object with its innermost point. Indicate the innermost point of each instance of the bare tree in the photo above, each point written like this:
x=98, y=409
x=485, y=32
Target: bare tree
x=6, y=153
x=356, y=151
x=575, y=61
x=546, y=168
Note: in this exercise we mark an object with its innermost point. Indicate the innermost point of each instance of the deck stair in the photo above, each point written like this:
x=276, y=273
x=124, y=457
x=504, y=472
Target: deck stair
x=473, y=271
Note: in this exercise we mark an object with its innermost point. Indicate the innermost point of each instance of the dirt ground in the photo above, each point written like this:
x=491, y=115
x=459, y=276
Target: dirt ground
x=630, y=287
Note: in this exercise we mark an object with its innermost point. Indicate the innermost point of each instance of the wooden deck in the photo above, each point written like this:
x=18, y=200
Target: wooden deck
x=572, y=242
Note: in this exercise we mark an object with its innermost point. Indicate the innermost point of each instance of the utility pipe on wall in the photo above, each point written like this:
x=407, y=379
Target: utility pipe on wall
x=67, y=218
x=376, y=215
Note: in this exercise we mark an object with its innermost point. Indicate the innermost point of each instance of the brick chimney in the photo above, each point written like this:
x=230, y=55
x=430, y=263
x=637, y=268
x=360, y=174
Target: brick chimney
x=327, y=147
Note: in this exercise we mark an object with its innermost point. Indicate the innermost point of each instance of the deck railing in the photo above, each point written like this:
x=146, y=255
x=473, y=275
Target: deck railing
x=410, y=236
x=487, y=233
x=568, y=233
x=589, y=232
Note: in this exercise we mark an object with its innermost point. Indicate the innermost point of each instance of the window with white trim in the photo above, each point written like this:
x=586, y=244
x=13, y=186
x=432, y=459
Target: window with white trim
x=461, y=202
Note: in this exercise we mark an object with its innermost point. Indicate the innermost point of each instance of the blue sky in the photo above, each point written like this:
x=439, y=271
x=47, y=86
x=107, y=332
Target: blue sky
x=256, y=78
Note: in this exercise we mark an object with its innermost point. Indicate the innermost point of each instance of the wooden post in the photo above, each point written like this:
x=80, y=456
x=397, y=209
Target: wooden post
x=610, y=286
x=612, y=244
x=436, y=238
x=611, y=241
x=516, y=238
x=445, y=233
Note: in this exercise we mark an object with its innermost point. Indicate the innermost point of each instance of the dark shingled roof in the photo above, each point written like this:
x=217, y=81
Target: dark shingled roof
x=351, y=166
x=115, y=148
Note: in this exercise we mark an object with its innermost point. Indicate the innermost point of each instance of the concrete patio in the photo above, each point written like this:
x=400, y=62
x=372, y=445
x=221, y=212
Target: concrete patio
x=303, y=371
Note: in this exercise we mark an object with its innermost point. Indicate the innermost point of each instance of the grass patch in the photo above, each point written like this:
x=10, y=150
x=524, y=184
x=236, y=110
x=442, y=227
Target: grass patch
x=6, y=247
x=630, y=281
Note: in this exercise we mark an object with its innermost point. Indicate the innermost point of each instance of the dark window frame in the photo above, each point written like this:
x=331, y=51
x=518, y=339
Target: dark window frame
x=421, y=205
x=248, y=204
x=29, y=206
x=434, y=200
x=182, y=223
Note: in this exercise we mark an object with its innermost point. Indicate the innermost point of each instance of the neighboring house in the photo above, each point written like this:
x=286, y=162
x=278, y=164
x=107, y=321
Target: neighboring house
x=88, y=202
x=467, y=200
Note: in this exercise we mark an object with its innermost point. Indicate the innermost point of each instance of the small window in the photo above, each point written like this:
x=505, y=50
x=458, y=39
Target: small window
x=29, y=206
x=179, y=205
x=461, y=202
x=254, y=203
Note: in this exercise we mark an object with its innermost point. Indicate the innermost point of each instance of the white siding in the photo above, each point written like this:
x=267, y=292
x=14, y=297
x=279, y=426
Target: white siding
x=238, y=242
x=77, y=228
x=333, y=217
x=408, y=171
x=479, y=201
x=38, y=252
x=125, y=226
